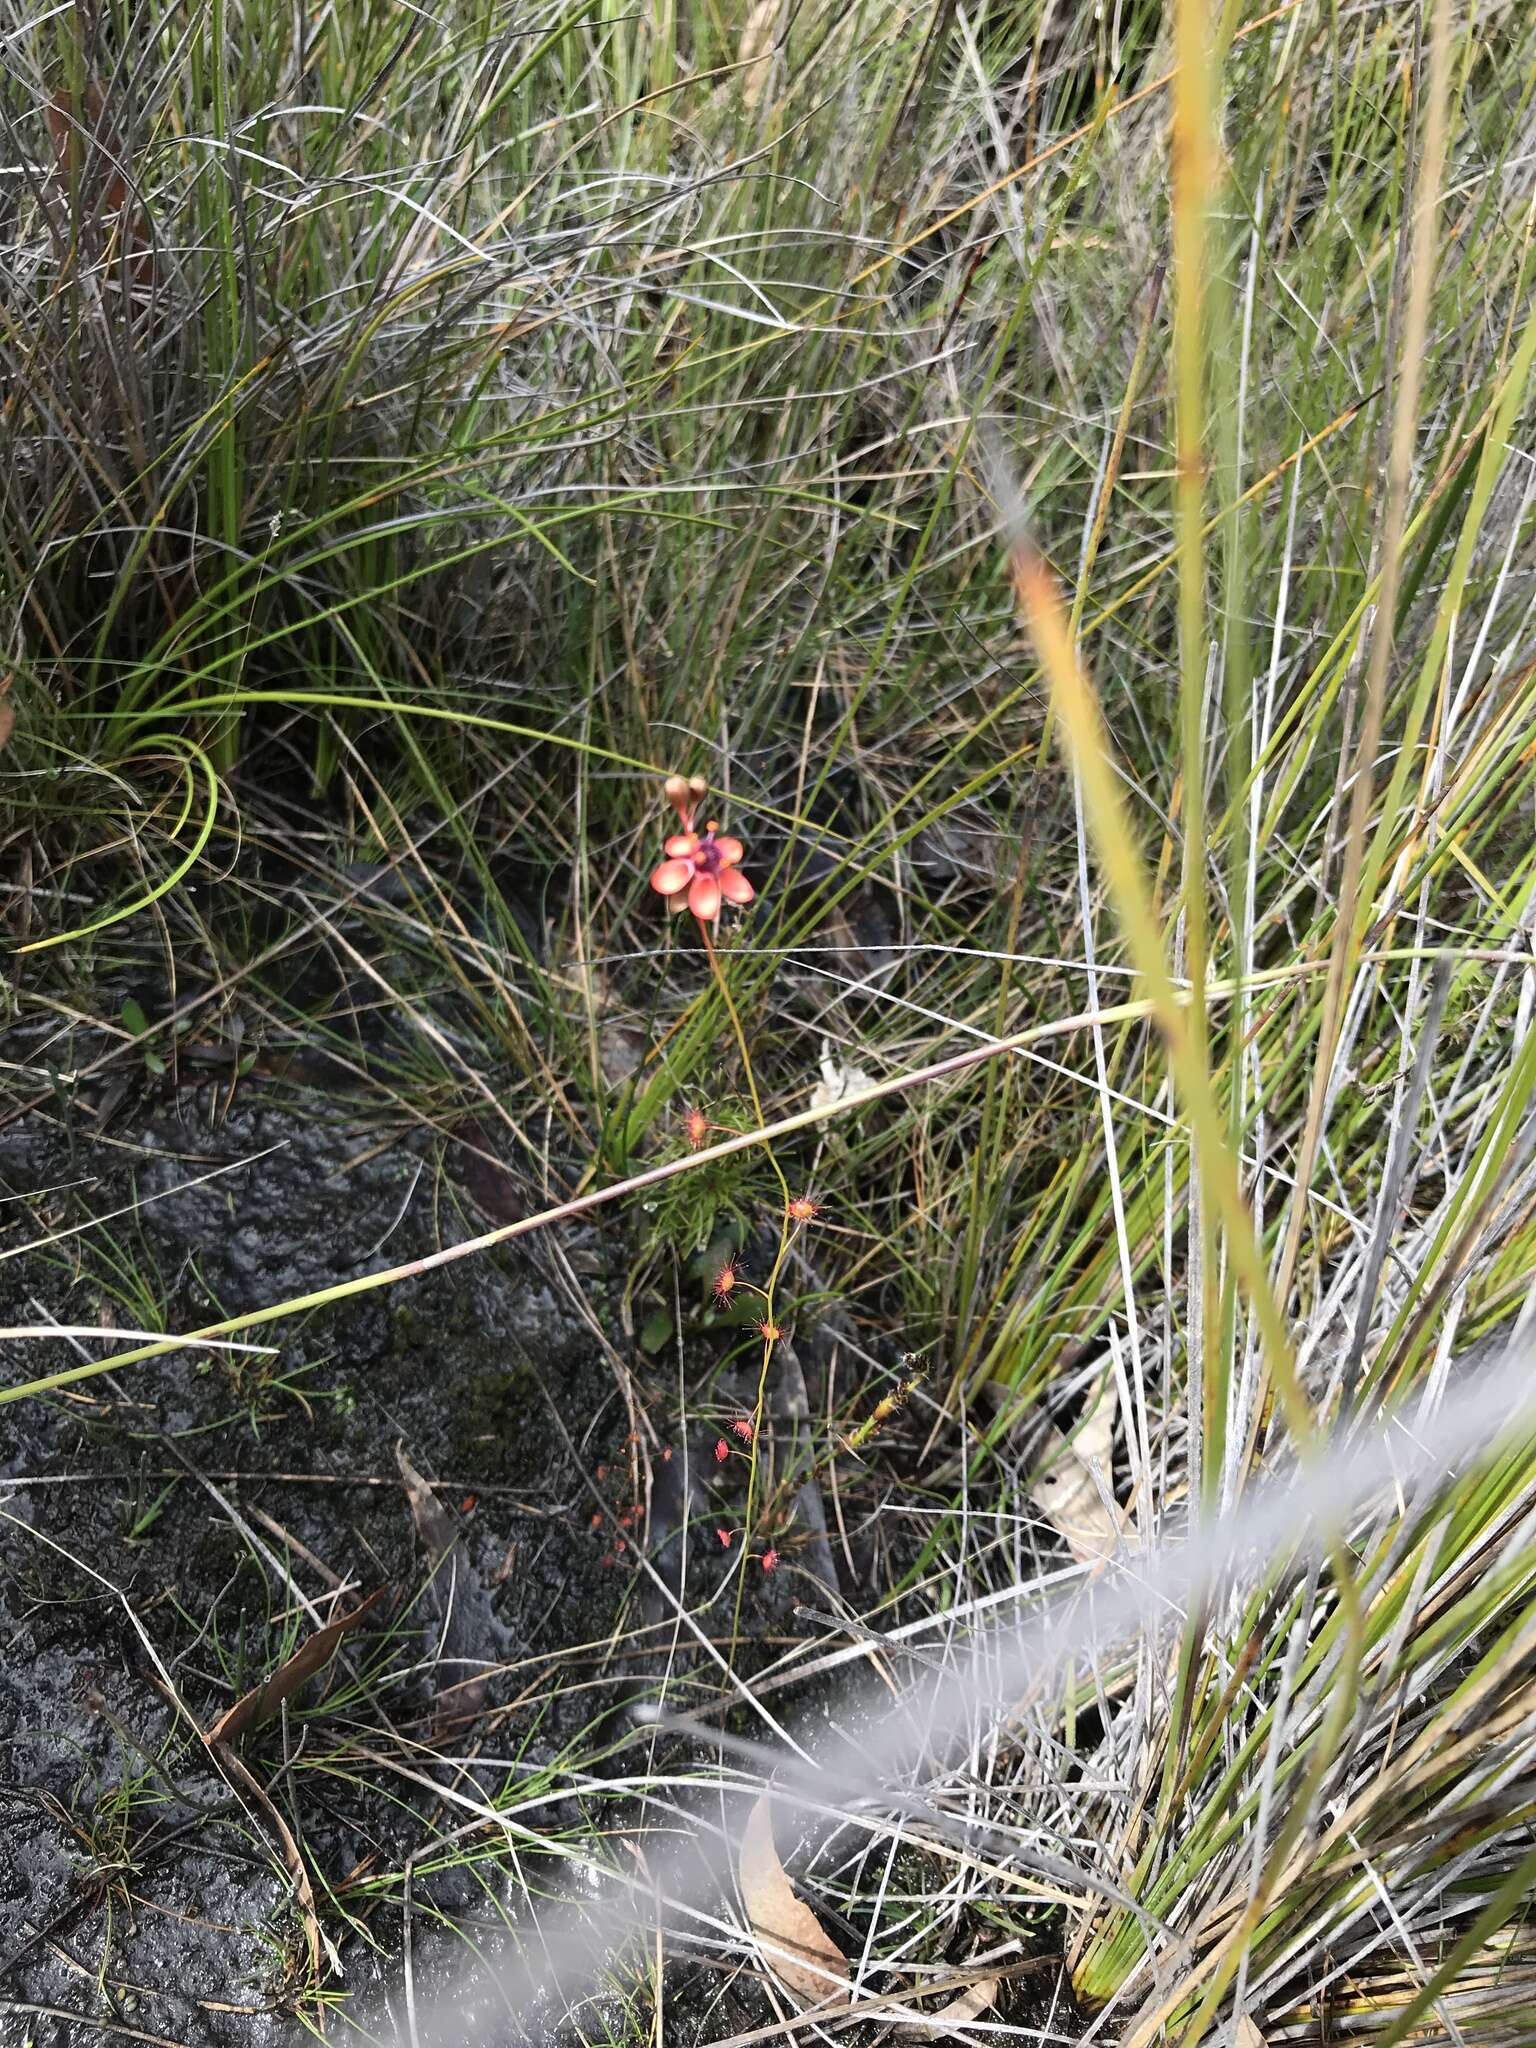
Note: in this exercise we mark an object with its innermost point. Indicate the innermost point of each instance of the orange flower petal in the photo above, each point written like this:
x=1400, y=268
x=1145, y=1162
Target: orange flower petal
x=671, y=876
x=681, y=844
x=704, y=898
x=730, y=849
x=735, y=887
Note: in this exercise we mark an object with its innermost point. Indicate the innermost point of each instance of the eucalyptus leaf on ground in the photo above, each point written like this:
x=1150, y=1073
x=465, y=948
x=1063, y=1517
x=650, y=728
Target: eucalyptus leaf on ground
x=262, y=1701
x=792, y=1941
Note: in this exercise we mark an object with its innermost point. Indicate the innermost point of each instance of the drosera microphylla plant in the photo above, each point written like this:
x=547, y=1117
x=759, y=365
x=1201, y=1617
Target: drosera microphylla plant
x=1329, y=760
x=625, y=1517
x=741, y=1428
x=701, y=871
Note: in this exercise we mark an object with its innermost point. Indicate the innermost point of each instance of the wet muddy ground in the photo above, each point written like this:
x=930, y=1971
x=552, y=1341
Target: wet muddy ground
x=460, y=1450
x=172, y=1532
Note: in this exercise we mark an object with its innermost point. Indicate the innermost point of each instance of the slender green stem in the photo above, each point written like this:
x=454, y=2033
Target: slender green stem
x=769, y=1291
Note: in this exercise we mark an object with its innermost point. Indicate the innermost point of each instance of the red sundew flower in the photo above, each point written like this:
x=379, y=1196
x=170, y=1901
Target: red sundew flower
x=769, y=1331
x=725, y=1538
x=743, y=1428
x=695, y=1128
x=704, y=864
x=722, y=1450
x=768, y=1560
x=802, y=1209
x=725, y=1282
x=596, y=1522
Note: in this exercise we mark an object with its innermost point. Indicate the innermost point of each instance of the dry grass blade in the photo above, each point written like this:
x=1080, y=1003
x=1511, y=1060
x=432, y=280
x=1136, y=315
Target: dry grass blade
x=795, y=1945
x=756, y=49
x=244, y=1780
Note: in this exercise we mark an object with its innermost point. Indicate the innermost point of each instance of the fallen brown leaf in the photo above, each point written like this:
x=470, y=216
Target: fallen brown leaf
x=794, y=1944
x=456, y=1595
x=437, y=1532
x=1074, y=1495
x=263, y=1700
x=969, y=2004
x=1248, y=2035
x=621, y=1051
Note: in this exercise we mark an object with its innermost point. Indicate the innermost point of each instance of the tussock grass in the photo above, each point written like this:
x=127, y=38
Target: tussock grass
x=422, y=432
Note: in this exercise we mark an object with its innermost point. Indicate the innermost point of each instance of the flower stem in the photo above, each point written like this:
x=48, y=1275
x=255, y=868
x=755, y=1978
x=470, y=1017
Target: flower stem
x=767, y=1292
